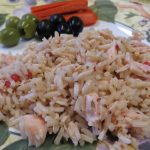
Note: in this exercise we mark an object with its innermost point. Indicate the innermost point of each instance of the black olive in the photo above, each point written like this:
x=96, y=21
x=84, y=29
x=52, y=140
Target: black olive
x=63, y=28
x=45, y=29
x=57, y=19
x=75, y=25
x=68, y=30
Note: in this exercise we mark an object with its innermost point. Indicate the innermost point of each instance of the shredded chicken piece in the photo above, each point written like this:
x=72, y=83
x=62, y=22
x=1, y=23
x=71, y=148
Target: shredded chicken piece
x=34, y=128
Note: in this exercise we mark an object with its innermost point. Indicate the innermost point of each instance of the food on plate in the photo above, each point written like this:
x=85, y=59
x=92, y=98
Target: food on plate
x=9, y=37
x=73, y=26
x=76, y=25
x=94, y=87
x=57, y=19
x=16, y=28
x=27, y=28
x=32, y=126
x=40, y=8
x=68, y=9
x=12, y=22
x=30, y=17
x=45, y=29
x=87, y=16
x=64, y=17
x=64, y=28
x=147, y=63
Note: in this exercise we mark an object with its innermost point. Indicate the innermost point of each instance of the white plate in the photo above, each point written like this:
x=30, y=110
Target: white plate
x=117, y=29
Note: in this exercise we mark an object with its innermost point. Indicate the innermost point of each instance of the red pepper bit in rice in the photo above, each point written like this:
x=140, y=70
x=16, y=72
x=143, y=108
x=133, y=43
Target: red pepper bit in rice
x=15, y=77
x=7, y=83
x=147, y=63
x=117, y=47
x=94, y=68
x=29, y=74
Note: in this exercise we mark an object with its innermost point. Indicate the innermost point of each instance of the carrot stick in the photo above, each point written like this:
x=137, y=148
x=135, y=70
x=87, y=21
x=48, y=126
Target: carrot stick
x=88, y=17
x=52, y=5
x=47, y=6
x=69, y=7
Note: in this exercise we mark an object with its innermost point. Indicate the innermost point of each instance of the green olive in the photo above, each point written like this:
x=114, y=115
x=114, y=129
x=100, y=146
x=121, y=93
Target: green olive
x=30, y=17
x=9, y=37
x=12, y=22
x=27, y=29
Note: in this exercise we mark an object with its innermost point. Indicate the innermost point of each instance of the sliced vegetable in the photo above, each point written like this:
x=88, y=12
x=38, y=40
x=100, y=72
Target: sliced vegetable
x=47, y=6
x=29, y=74
x=88, y=16
x=117, y=47
x=7, y=83
x=69, y=7
x=41, y=8
x=147, y=63
x=15, y=77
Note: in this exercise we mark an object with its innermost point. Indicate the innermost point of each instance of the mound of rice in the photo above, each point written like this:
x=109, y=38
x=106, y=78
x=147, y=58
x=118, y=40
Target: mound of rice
x=81, y=87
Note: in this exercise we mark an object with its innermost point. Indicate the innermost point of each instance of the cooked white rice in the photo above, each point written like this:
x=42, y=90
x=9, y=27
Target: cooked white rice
x=81, y=87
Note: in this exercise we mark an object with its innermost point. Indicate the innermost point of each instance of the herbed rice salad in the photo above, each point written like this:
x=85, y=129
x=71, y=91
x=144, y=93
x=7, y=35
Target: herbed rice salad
x=80, y=89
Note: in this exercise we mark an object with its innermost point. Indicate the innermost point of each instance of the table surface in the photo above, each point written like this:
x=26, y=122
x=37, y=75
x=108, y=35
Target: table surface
x=132, y=13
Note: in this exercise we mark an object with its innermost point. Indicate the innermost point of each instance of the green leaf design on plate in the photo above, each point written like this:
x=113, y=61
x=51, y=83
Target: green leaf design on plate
x=148, y=35
x=4, y=133
x=49, y=145
x=105, y=10
x=148, y=39
x=130, y=14
x=143, y=1
x=2, y=18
